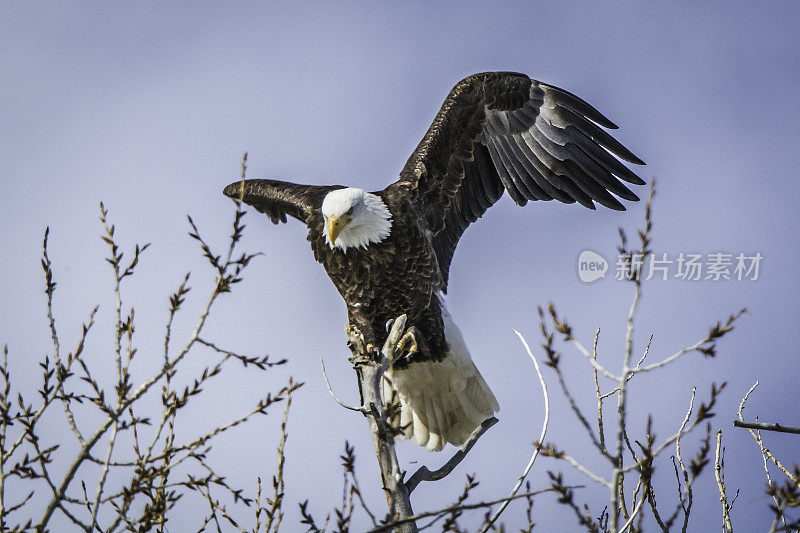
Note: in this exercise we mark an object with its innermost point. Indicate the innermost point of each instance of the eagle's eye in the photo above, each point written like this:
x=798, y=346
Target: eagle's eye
x=350, y=211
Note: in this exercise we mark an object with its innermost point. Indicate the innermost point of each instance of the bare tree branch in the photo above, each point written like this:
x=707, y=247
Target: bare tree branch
x=423, y=474
x=719, y=460
x=361, y=410
x=370, y=368
x=757, y=436
x=766, y=427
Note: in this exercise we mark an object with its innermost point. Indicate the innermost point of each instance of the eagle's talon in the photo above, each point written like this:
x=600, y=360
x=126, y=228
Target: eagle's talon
x=389, y=324
x=372, y=352
x=408, y=346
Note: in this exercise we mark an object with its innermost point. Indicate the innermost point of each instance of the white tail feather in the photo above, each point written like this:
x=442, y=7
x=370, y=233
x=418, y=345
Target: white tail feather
x=442, y=401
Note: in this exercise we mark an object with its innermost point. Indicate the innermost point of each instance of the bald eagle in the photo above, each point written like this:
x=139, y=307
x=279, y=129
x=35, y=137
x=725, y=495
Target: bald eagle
x=388, y=252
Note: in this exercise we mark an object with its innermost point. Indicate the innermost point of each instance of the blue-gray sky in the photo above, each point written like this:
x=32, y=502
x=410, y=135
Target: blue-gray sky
x=149, y=106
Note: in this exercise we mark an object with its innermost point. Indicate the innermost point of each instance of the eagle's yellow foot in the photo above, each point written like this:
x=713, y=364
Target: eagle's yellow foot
x=408, y=346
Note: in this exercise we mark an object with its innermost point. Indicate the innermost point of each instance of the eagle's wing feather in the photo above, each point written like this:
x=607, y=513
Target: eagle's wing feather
x=502, y=131
x=277, y=199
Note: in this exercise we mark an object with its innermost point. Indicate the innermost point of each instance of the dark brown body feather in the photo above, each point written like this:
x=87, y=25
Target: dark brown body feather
x=395, y=276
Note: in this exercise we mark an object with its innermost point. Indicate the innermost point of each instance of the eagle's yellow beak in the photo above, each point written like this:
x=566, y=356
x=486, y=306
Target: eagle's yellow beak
x=335, y=226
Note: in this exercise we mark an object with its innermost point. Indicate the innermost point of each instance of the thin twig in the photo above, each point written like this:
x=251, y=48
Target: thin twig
x=583, y=470
x=757, y=437
x=593, y=360
x=683, y=425
x=681, y=431
x=581, y=417
x=600, y=430
x=618, y=472
x=333, y=395
x=671, y=358
x=766, y=427
x=276, y=514
x=627, y=524
x=488, y=523
x=720, y=475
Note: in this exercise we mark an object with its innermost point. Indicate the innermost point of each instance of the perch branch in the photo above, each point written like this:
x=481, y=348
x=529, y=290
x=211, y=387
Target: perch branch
x=370, y=368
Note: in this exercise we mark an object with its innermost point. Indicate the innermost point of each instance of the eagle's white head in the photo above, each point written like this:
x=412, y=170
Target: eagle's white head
x=355, y=218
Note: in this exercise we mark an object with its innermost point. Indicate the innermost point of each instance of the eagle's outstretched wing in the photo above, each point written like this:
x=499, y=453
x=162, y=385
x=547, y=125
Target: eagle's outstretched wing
x=501, y=131
x=277, y=199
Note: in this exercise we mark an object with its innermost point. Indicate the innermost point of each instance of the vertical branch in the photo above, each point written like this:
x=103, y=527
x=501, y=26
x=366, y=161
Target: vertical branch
x=600, y=430
x=719, y=460
x=121, y=328
x=689, y=495
x=171, y=403
x=635, y=512
x=635, y=273
x=370, y=369
x=4, y=413
x=50, y=287
x=275, y=514
x=617, y=477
